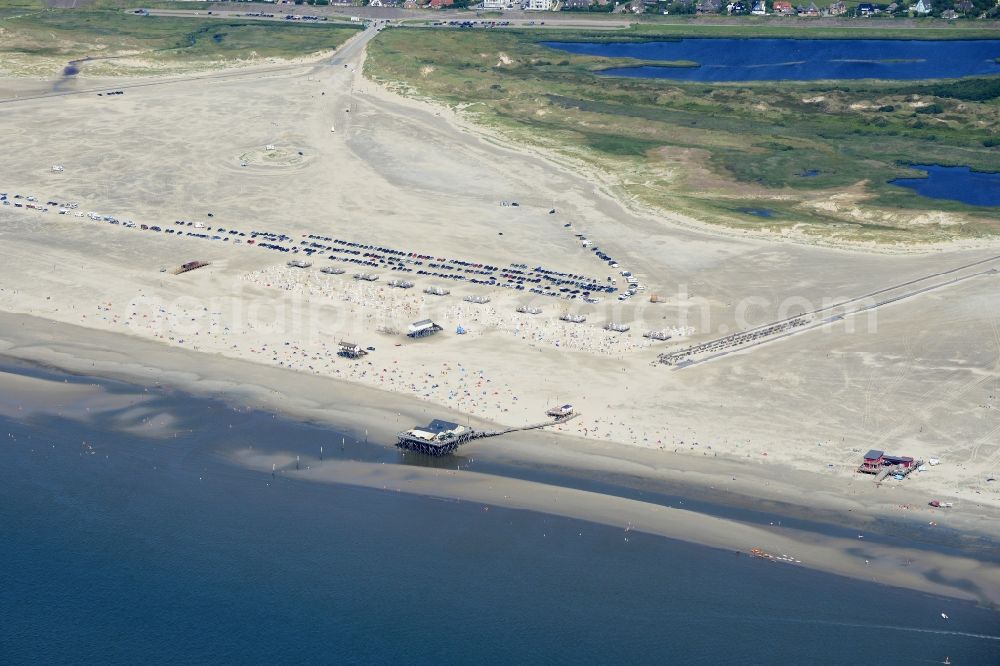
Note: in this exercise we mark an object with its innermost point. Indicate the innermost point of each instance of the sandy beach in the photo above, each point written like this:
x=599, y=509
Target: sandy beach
x=373, y=416
x=785, y=422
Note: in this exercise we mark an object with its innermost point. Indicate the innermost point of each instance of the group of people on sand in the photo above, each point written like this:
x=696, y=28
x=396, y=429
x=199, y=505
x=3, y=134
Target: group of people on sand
x=392, y=309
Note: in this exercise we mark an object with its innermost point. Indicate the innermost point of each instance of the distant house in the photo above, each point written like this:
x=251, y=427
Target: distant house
x=538, y=5
x=708, y=6
x=759, y=8
x=965, y=6
x=438, y=4
x=837, y=8
x=875, y=461
x=494, y=4
x=892, y=7
x=738, y=7
x=575, y=4
x=923, y=7
x=811, y=10
x=866, y=9
x=949, y=14
x=783, y=7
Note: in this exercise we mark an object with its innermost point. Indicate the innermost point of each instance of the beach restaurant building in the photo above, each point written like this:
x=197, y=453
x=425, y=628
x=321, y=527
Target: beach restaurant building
x=876, y=460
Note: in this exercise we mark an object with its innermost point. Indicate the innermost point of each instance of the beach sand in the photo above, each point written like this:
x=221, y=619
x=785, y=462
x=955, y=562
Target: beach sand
x=374, y=416
x=785, y=422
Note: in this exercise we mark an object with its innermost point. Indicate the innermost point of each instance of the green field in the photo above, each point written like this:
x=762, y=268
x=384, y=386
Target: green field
x=817, y=155
x=41, y=41
x=771, y=26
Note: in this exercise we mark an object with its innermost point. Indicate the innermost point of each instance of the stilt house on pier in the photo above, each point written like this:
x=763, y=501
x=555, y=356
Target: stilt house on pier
x=437, y=438
x=422, y=328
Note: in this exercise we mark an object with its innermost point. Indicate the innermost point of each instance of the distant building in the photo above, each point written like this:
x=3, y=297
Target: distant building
x=923, y=7
x=494, y=4
x=875, y=461
x=538, y=5
x=810, y=10
x=866, y=9
x=965, y=6
x=575, y=4
x=437, y=4
x=838, y=9
x=759, y=8
x=783, y=7
x=708, y=6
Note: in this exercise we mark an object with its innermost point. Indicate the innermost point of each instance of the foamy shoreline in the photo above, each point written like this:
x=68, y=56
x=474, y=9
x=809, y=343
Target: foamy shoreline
x=375, y=414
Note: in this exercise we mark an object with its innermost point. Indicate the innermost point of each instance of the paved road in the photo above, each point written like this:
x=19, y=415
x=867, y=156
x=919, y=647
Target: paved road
x=404, y=16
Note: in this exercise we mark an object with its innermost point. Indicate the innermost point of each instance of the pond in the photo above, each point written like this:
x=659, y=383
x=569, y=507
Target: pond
x=798, y=59
x=757, y=212
x=976, y=188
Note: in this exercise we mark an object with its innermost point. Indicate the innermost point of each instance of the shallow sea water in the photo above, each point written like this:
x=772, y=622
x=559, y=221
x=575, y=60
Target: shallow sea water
x=123, y=548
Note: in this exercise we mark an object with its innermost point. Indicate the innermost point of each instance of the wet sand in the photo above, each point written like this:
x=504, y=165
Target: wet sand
x=373, y=417
x=785, y=423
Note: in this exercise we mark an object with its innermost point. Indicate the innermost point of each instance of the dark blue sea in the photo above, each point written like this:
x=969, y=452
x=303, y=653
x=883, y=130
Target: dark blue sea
x=799, y=59
x=976, y=188
x=122, y=548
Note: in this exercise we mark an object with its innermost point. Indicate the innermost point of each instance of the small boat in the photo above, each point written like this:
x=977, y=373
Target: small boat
x=944, y=616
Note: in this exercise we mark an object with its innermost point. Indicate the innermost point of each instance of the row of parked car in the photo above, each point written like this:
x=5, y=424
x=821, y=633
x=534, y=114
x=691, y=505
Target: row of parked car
x=517, y=276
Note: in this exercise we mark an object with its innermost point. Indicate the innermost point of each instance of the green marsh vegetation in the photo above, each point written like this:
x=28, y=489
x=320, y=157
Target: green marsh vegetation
x=817, y=155
x=41, y=41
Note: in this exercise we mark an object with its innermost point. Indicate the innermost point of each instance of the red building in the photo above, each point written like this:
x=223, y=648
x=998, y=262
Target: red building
x=903, y=461
x=875, y=460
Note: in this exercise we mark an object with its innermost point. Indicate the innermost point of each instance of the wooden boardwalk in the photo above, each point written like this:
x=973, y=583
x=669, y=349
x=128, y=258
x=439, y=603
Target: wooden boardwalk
x=896, y=469
x=534, y=426
x=443, y=448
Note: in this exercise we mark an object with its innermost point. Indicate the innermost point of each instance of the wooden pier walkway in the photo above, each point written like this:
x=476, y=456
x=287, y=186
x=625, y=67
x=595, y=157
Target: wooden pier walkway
x=409, y=442
x=896, y=469
x=534, y=426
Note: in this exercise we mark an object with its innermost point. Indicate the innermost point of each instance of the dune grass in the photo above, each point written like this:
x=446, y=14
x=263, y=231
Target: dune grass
x=62, y=35
x=805, y=28
x=817, y=153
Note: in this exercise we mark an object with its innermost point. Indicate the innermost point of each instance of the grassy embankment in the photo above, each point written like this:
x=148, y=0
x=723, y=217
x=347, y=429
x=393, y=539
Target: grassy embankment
x=815, y=154
x=40, y=42
x=794, y=27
